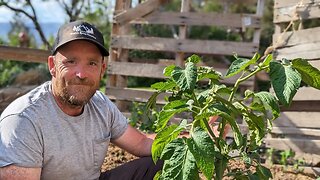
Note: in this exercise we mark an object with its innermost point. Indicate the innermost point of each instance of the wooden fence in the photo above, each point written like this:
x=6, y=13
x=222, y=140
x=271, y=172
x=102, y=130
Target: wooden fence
x=121, y=65
x=298, y=128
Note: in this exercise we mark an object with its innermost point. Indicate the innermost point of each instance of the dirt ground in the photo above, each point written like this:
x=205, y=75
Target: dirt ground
x=116, y=157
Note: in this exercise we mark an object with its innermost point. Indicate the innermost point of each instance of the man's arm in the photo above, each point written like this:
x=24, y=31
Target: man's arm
x=13, y=172
x=135, y=142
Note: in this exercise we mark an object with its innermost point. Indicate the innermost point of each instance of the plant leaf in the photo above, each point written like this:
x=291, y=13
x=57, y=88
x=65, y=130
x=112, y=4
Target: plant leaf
x=285, y=81
x=209, y=73
x=202, y=148
x=269, y=101
x=168, y=70
x=179, y=162
x=263, y=172
x=240, y=64
x=194, y=59
x=163, y=86
x=185, y=78
x=310, y=75
x=164, y=137
x=267, y=60
x=169, y=110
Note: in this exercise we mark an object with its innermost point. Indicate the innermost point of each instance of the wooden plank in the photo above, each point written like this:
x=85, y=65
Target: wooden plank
x=24, y=54
x=189, y=46
x=139, y=11
x=298, y=120
x=137, y=95
x=136, y=69
x=288, y=3
x=306, y=51
x=305, y=10
x=293, y=38
x=201, y=19
x=310, y=106
x=296, y=131
x=297, y=145
x=156, y=71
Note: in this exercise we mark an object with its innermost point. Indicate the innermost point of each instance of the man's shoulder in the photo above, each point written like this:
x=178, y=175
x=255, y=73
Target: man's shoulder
x=34, y=98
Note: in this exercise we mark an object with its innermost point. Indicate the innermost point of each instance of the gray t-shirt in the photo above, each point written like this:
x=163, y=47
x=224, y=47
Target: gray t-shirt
x=34, y=132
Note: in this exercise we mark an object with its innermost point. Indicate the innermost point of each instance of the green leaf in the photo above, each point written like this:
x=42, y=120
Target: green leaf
x=164, y=137
x=186, y=79
x=221, y=165
x=168, y=70
x=310, y=75
x=202, y=148
x=152, y=101
x=269, y=101
x=179, y=162
x=285, y=81
x=194, y=59
x=240, y=64
x=267, y=60
x=169, y=110
x=256, y=128
x=263, y=172
x=208, y=73
x=222, y=111
x=163, y=86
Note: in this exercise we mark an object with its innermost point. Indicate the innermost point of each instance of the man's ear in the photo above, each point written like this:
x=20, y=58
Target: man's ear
x=51, y=66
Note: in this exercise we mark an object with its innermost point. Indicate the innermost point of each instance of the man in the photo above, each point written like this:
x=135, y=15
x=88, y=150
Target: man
x=61, y=129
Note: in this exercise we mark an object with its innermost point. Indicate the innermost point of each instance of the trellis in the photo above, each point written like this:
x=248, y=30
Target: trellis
x=120, y=65
x=299, y=126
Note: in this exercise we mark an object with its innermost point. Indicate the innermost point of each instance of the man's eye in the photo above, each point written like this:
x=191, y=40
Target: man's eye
x=92, y=63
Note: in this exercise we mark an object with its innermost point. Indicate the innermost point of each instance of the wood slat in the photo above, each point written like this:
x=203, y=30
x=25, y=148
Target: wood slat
x=296, y=131
x=187, y=45
x=293, y=38
x=139, y=11
x=294, y=11
x=298, y=120
x=136, y=95
x=306, y=51
x=156, y=71
x=288, y=3
x=297, y=145
x=201, y=19
x=307, y=105
x=23, y=54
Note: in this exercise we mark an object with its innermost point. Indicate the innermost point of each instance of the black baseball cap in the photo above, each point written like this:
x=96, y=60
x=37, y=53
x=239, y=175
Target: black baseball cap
x=79, y=30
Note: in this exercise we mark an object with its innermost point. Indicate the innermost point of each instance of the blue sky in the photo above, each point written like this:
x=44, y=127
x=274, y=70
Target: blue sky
x=48, y=11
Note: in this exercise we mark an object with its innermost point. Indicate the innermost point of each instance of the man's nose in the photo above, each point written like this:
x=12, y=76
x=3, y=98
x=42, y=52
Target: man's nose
x=81, y=72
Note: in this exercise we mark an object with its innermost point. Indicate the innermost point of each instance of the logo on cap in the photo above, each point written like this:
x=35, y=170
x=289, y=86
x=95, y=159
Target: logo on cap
x=83, y=30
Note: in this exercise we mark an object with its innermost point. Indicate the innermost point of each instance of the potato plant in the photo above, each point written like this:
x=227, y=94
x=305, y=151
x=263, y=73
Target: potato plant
x=204, y=152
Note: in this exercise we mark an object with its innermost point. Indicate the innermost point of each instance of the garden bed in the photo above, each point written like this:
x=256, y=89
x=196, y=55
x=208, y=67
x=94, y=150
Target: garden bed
x=117, y=156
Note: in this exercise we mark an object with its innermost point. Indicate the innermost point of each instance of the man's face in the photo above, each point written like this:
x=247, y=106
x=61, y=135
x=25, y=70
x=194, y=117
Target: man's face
x=76, y=70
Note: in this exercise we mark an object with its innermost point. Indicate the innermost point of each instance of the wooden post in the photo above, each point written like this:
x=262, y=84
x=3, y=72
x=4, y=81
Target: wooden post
x=119, y=54
x=185, y=7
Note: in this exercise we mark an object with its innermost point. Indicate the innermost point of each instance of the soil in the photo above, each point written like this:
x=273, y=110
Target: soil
x=117, y=156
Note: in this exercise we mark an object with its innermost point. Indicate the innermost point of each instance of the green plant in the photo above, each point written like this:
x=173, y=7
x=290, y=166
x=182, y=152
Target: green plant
x=203, y=151
x=140, y=119
x=286, y=156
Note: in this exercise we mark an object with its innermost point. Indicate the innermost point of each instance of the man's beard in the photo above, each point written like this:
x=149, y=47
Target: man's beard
x=77, y=92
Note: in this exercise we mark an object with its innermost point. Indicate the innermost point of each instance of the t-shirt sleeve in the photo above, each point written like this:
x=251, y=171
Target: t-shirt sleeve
x=119, y=122
x=20, y=142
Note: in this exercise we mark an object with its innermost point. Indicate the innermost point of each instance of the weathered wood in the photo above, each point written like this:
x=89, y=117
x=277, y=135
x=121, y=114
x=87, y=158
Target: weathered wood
x=297, y=145
x=298, y=120
x=305, y=51
x=293, y=38
x=201, y=19
x=295, y=131
x=23, y=54
x=191, y=46
x=307, y=105
x=139, y=11
x=156, y=71
x=288, y=10
x=137, y=95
